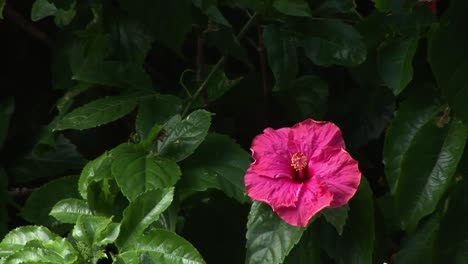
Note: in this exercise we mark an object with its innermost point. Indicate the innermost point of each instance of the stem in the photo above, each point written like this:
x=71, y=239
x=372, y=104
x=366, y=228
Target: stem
x=197, y=93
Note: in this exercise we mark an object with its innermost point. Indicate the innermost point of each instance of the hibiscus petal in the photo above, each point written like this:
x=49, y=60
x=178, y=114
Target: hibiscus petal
x=309, y=136
x=276, y=192
x=312, y=200
x=338, y=171
x=271, y=155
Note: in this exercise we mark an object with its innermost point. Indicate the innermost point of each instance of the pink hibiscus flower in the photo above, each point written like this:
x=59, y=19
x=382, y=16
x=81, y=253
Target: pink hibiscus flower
x=301, y=170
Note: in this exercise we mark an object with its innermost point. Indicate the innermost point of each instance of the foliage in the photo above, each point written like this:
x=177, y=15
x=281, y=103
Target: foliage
x=132, y=145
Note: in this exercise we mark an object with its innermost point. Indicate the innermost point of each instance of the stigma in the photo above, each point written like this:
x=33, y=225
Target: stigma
x=298, y=161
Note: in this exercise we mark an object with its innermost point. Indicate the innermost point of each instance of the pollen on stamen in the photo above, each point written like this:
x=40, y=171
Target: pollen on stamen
x=298, y=161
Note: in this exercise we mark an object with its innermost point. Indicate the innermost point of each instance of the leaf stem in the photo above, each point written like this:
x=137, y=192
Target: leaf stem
x=200, y=89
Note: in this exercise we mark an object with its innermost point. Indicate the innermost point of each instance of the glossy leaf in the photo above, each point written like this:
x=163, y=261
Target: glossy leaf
x=337, y=217
x=95, y=231
x=19, y=237
x=40, y=202
x=141, y=213
x=395, y=62
x=183, y=137
x=427, y=170
x=137, y=172
x=293, y=7
x=99, y=112
x=269, y=239
x=218, y=163
x=53, y=251
x=161, y=246
x=282, y=56
x=69, y=210
x=93, y=171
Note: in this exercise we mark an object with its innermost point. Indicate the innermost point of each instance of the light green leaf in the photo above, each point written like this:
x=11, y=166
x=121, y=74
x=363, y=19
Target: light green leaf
x=293, y=7
x=337, y=217
x=218, y=163
x=95, y=231
x=69, y=210
x=395, y=63
x=183, y=137
x=42, y=9
x=58, y=251
x=269, y=238
x=141, y=213
x=98, y=112
x=137, y=172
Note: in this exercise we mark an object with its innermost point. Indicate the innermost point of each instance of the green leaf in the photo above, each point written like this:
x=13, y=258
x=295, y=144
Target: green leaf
x=427, y=170
x=218, y=163
x=395, y=63
x=269, y=239
x=6, y=110
x=225, y=41
x=307, y=250
x=141, y=213
x=161, y=246
x=155, y=110
x=306, y=98
x=94, y=171
x=3, y=203
x=99, y=112
x=19, y=237
x=410, y=118
x=137, y=172
x=185, y=136
x=95, y=231
x=332, y=7
x=2, y=5
x=41, y=9
x=448, y=57
x=53, y=251
x=40, y=202
x=393, y=5
x=282, y=56
x=337, y=217
x=69, y=210
x=331, y=42
x=293, y=7
x=174, y=14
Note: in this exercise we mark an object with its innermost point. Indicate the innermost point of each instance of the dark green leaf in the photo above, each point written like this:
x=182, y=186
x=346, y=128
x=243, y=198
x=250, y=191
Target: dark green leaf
x=395, y=63
x=40, y=202
x=95, y=231
x=427, y=170
x=225, y=41
x=337, y=217
x=6, y=110
x=141, y=213
x=69, y=210
x=161, y=246
x=210, y=9
x=282, y=56
x=449, y=57
x=94, y=171
x=410, y=118
x=218, y=163
x=183, y=137
x=2, y=5
x=42, y=9
x=293, y=7
x=394, y=5
x=331, y=42
x=3, y=202
x=137, y=171
x=307, y=250
x=269, y=238
x=99, y=112
x=331, y=7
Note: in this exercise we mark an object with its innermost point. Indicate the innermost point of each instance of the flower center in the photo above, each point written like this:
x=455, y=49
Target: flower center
x=299, y=164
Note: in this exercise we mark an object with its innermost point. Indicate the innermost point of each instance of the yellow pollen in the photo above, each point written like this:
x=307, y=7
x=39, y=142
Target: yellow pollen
x=298, y=161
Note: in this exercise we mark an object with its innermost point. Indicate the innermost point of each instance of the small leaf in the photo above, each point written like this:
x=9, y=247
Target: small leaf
x=337, y=217
x=293, y=7
x=41, y=9
x=395, y=63
x=141, y=213
x=269, y=239
x=161, y=246
x=185, y=136
x=98, y=112
x=137, y=172
x=95, y=231
x=282, y=56
x=69, y=210
x=52, y=251
x=94, y=171
x=218, y=163
x=40, y=202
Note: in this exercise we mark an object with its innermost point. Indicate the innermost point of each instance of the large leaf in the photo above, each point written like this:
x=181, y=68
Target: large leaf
x=293, y=7
x=40, y=202
x=141, y=213
x=427, y=169
x=19, y=237
x=331, y=42
x=137, y=171
x=218, y=163
x=281, y=53
x=269, y=239
x=410, y=118
x=307, y=250
x=161, y=246
x=183, y=137
x=448, y=57
x=69, y=210
x=337, y=217
x=98, y=112
x=395, y=63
